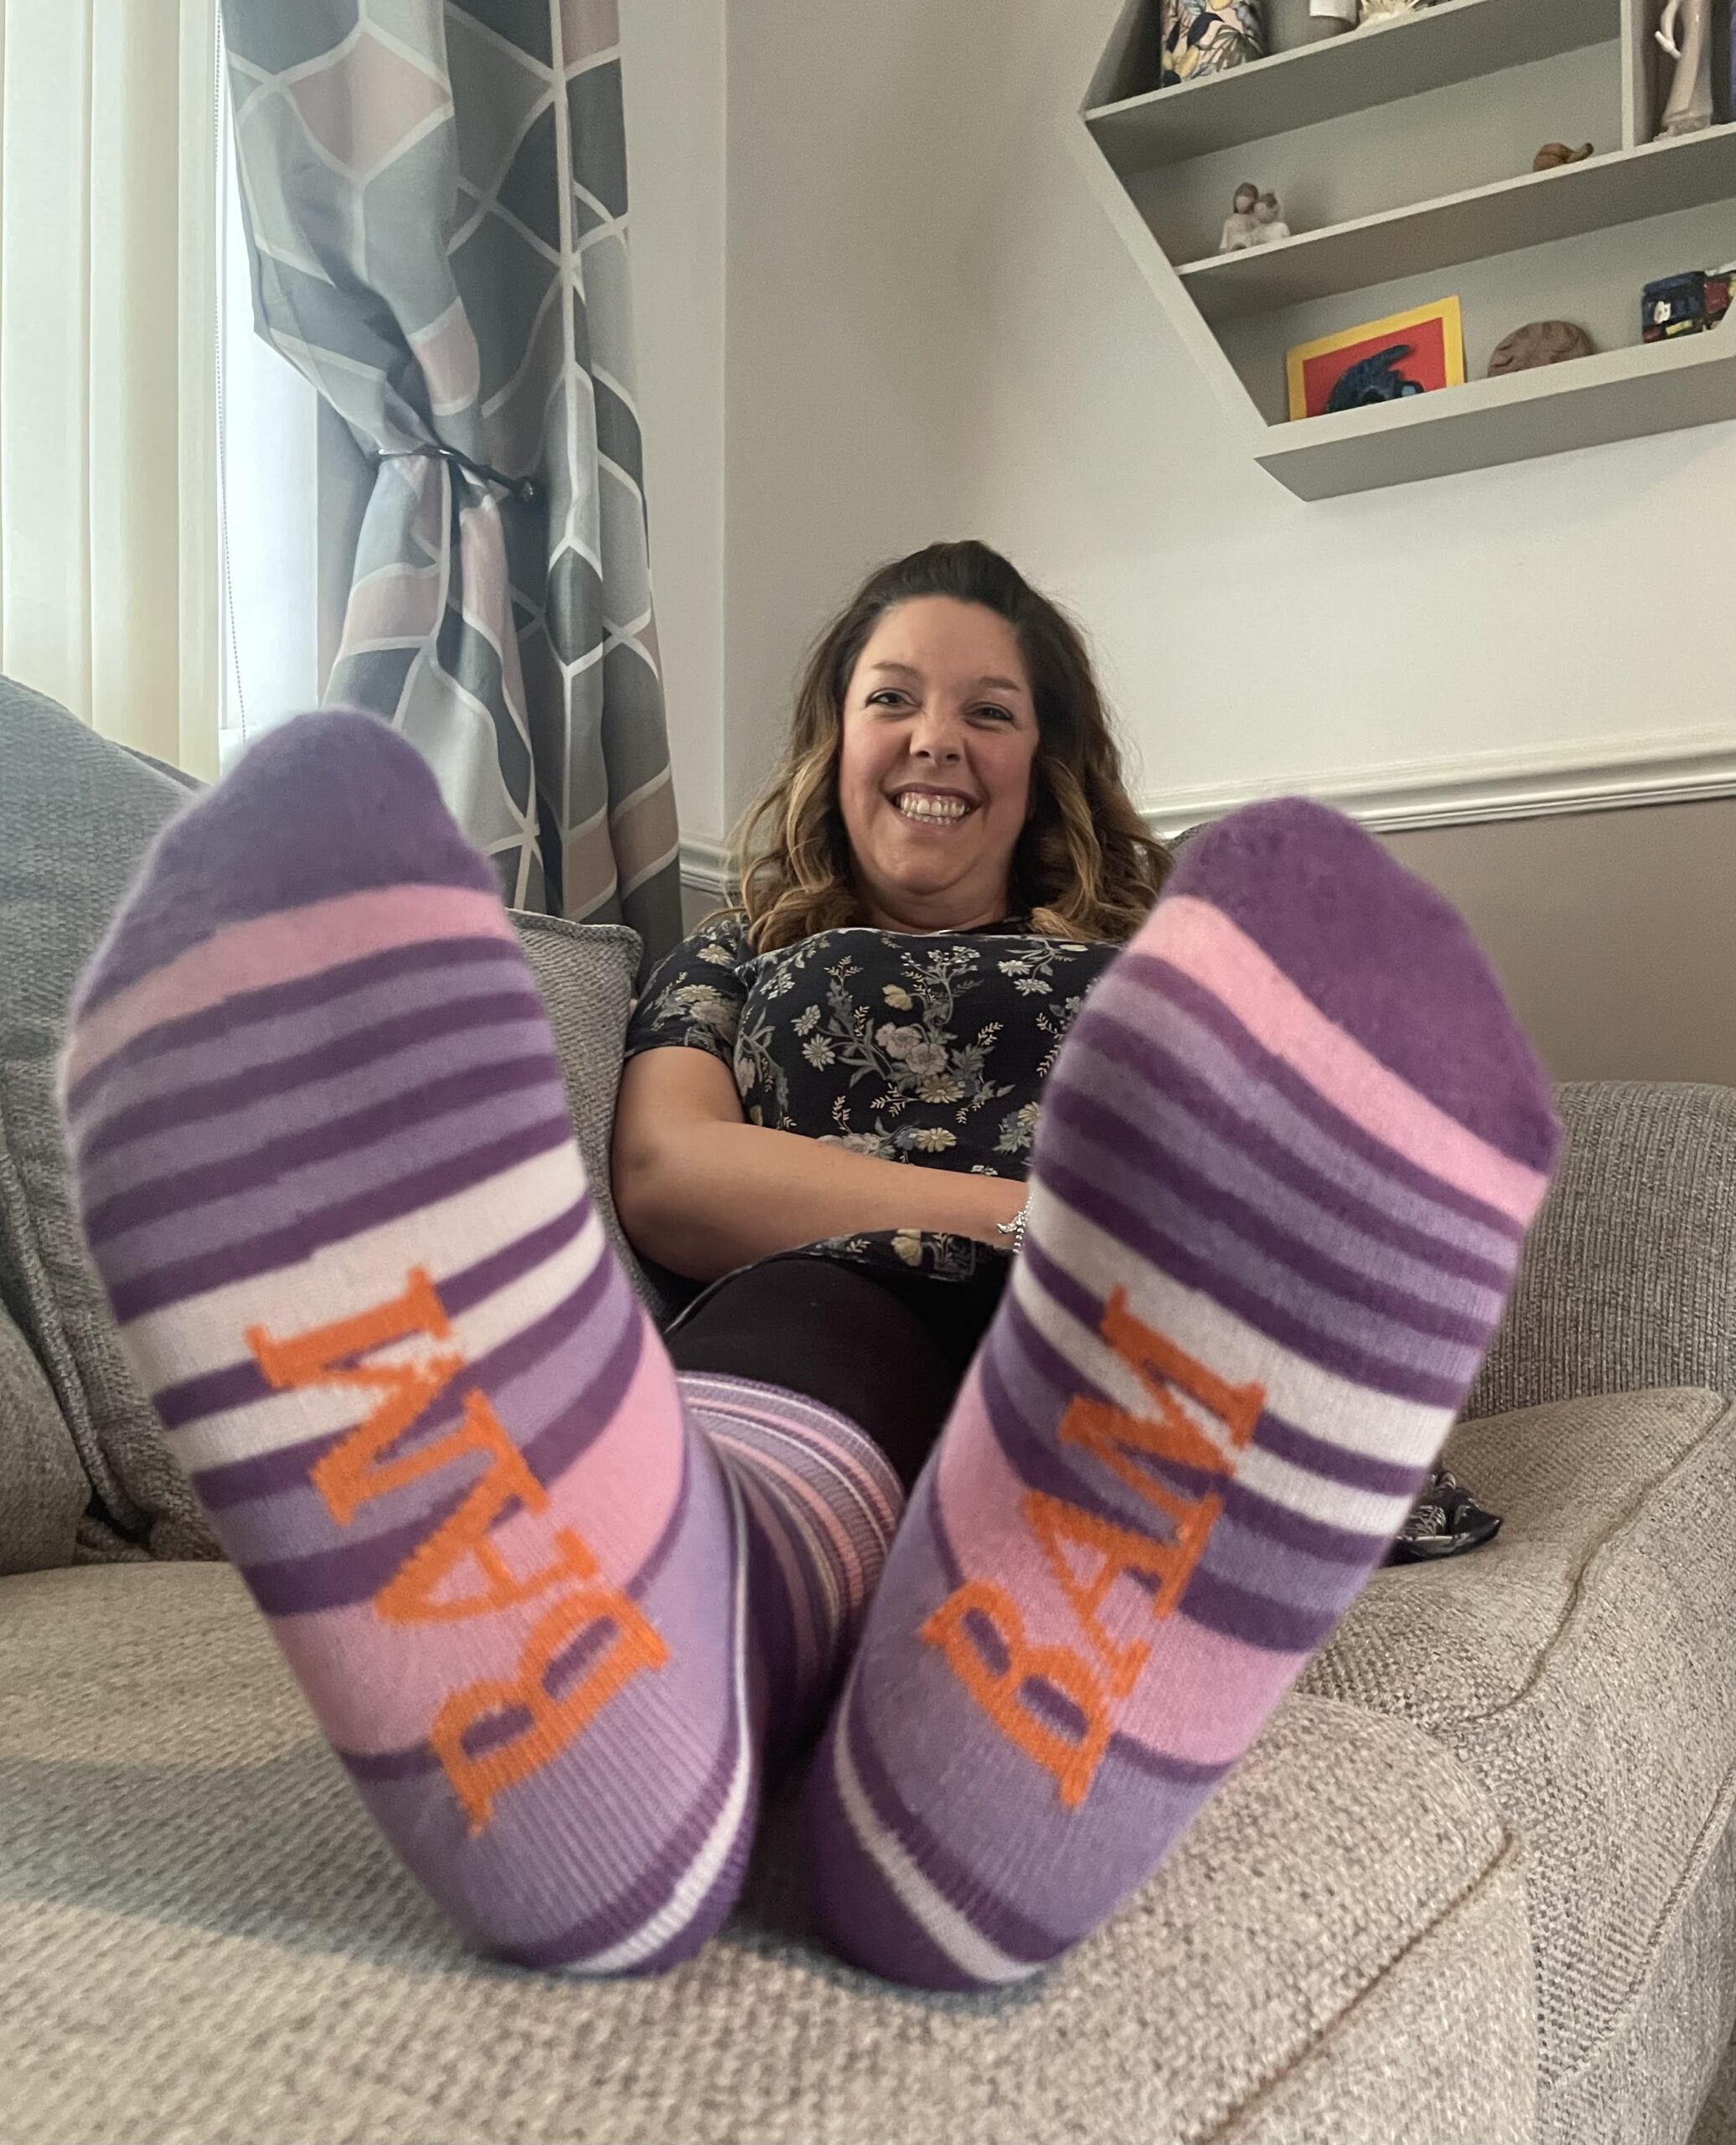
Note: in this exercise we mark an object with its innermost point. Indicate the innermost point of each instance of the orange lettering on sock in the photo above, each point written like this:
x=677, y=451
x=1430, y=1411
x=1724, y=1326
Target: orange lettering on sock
x=554, y=1723
x=1236, y=1407
x=1062, y=1532
x=1113, y=1436
x=409, y=1596
x=1073, y=1764
x=353, y=1471
x=356, y=1470
x=1107, y=1433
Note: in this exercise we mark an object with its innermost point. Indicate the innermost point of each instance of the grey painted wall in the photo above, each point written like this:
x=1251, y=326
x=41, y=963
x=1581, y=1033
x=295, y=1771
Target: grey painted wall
x=1614, y=932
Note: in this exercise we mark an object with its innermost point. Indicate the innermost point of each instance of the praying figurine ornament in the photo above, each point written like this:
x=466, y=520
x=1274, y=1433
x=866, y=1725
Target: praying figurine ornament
x=1256, y=219
x=1239, y=226
x=1269, y=225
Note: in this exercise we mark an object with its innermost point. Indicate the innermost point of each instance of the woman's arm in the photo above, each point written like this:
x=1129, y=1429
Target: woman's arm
x=702, y=1191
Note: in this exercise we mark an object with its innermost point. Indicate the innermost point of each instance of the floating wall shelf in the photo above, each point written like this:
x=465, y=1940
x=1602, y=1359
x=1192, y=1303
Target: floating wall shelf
x=1401, y=153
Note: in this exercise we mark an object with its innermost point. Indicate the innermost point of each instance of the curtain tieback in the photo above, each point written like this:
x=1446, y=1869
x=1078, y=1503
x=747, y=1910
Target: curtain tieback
x=524, y=489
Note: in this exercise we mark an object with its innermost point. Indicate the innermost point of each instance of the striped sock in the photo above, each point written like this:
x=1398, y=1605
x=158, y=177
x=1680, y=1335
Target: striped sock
x=1285, y=1164
x=822, y=1503
x=326, y=1173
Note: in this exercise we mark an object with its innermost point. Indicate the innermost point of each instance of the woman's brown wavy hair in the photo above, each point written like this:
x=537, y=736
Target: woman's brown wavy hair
x=1085, y=865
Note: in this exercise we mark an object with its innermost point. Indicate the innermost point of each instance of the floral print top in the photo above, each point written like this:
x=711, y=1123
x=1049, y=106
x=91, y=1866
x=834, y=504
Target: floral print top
x=929, y=1048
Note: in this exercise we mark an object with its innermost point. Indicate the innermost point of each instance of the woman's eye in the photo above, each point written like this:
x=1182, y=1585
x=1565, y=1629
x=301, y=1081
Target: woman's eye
x=996, y=714
x=887, y=696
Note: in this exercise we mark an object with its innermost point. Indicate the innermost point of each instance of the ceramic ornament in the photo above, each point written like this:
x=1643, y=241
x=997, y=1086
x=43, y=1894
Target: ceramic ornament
x=1269, y=224
x=1239, y=227
x=1689, y=108
x=1257, y=219
x=1540, y=342
x=1204, y=37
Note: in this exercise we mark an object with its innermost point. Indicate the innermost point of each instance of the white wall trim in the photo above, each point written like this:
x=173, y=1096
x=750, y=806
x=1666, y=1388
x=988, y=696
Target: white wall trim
x=1665, y=767
x=705, y=864
x=1671, y=767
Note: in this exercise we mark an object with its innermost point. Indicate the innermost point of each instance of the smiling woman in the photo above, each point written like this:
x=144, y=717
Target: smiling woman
x=938, y=873
x=559, y=1595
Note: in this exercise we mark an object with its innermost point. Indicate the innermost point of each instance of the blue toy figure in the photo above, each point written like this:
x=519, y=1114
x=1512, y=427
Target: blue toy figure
x=1373, y=379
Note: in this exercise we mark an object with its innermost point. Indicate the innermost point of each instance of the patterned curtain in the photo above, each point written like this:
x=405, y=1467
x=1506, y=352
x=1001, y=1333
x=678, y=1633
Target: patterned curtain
x=436, y=198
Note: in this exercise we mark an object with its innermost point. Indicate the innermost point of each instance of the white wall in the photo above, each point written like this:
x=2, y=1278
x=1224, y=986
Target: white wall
x=846, y=125
x=673, y=62
x=931, y=328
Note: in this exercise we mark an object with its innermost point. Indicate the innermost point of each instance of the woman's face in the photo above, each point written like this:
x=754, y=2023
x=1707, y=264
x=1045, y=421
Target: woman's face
x=934, y=771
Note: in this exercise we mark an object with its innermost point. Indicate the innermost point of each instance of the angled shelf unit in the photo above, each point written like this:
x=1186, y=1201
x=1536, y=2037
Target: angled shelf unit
x=1401, y=152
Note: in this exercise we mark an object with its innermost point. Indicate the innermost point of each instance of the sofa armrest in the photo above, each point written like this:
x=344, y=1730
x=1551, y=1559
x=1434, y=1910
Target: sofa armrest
x=1628, y=1279
x=585, y=972
x=44, y=1487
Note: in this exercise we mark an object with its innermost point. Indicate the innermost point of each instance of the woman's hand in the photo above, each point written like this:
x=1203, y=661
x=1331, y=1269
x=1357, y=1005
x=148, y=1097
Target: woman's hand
x=702, y=1191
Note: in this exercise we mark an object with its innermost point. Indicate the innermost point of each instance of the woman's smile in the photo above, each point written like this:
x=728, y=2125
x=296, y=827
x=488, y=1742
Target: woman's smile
x=933, y=807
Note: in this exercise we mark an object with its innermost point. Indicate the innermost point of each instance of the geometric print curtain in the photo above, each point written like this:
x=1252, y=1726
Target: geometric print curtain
x=434, y=198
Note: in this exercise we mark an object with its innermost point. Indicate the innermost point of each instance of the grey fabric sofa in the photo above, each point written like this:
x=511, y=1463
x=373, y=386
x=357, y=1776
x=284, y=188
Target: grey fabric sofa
x=1477, y=1881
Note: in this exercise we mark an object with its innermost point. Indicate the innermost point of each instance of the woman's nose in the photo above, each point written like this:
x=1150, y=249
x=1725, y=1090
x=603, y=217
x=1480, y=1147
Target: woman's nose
x=936, y=736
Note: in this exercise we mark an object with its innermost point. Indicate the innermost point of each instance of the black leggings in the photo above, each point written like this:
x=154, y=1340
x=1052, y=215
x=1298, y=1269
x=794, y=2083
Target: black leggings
x=887, y=1352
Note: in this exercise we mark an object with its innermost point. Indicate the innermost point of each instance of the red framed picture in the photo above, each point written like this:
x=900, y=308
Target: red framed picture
x=1385, y=361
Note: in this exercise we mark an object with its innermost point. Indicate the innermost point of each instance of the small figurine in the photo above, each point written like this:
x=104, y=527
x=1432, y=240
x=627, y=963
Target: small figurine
x=1372, y=381
x=1377, y=11
x=1269, y=225
x=1689, y=109
x=1239, y=228
x=1540, y=342
x=1554, y=154
x=1258, y=221
x=1685, y=305
x=1204, y=37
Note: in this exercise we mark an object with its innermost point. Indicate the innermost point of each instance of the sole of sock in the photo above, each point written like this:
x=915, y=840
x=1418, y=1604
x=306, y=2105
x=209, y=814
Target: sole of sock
x=327, y=1176
x=1272, y=1229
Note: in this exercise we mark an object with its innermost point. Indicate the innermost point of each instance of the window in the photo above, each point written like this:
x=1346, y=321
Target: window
x=268, y=471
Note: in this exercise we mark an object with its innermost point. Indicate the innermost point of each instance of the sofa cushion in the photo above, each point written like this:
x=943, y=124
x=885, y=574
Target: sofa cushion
x=201, y=1936
x=1628, y=1276
x=43, y=1489
x=586, y=974
x=76, y=815
x=1584, y=1667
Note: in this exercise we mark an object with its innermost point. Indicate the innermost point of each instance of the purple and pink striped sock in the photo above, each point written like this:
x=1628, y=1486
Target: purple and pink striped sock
x=1285, y=1164
x=326, y=1173
x=821, y=1503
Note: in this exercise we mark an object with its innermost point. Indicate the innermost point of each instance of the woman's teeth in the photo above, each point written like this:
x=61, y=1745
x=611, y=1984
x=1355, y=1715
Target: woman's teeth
x=912, y=806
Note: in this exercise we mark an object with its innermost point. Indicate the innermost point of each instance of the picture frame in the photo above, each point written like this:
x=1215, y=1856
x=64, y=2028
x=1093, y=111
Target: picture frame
x=1433, y=357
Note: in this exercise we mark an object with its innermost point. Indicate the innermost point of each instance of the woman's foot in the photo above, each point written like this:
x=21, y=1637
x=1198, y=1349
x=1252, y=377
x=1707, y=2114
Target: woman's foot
x=1283, y=1170
x=326, y=1175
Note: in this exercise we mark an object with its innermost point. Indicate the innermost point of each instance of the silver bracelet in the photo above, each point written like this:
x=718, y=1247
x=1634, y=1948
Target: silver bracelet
x=1014, y=1229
